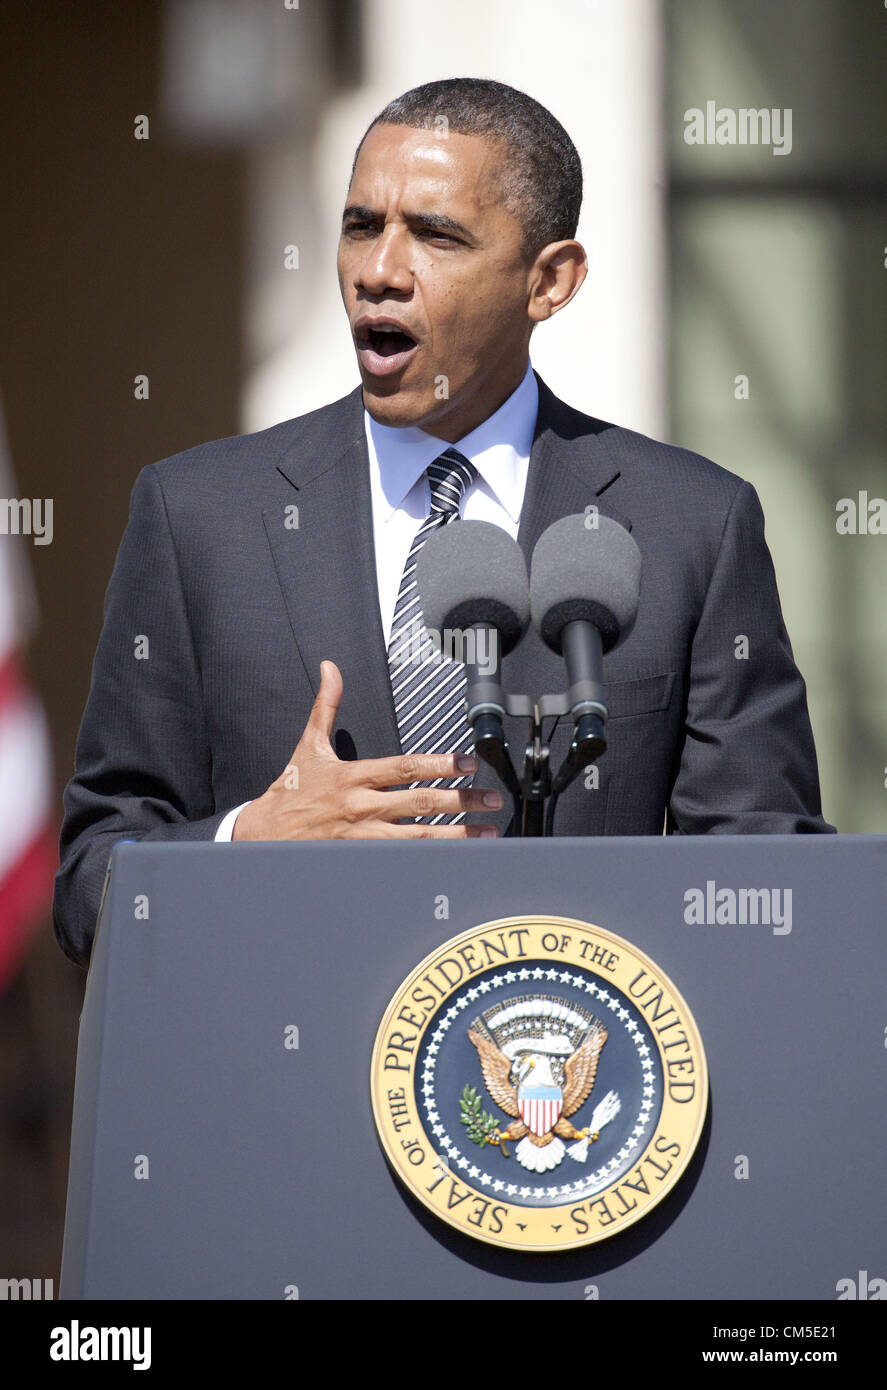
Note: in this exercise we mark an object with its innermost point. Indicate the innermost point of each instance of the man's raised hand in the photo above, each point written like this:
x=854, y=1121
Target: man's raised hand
x=320, y=797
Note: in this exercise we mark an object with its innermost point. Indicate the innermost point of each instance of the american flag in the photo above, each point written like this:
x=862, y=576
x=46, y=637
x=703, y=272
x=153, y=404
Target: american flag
x=28, y=825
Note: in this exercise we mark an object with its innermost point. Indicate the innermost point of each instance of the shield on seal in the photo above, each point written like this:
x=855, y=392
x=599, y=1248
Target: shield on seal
x=540, y=1107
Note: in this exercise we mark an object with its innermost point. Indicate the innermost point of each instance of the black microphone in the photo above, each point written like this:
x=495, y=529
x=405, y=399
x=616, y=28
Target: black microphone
x=584, y=588
x=472, y=580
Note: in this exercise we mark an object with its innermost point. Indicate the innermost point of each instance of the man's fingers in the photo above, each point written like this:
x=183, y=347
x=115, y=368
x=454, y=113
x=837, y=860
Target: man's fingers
x=446, y=832
x=382, y=830
x=400, y=771
x=435, y=801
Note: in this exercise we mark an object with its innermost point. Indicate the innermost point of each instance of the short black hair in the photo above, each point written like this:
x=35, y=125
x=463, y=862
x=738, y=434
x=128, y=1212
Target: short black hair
x=541, y=169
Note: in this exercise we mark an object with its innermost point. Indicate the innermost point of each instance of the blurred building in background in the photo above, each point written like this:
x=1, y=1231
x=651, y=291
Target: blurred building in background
x=778, y=274
x=175, y=174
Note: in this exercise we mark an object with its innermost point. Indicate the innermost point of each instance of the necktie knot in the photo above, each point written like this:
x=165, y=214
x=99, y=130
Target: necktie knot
x=448, y=477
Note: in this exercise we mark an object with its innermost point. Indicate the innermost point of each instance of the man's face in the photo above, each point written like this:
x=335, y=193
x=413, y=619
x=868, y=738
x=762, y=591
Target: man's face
x=428, y=246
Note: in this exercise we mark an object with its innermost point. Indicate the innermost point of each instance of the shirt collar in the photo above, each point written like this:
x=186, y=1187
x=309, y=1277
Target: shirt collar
x=499, y=449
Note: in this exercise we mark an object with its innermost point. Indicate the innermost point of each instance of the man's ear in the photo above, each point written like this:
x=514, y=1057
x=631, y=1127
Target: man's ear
x=558, y=271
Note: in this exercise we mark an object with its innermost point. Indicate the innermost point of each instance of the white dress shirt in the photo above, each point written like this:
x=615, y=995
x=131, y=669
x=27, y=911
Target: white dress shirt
x=401, y=497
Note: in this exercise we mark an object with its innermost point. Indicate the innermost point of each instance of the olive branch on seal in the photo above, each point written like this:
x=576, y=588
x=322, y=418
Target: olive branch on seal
x=482, y=1128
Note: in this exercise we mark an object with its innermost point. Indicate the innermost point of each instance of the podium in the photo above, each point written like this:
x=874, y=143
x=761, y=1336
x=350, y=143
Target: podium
x=224, y=1145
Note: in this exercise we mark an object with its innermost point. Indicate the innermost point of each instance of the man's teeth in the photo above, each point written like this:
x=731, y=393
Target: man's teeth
x=388, y=330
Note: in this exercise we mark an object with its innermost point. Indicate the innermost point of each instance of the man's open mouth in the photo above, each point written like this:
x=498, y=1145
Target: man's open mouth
x=383, y=347
x=387, y=341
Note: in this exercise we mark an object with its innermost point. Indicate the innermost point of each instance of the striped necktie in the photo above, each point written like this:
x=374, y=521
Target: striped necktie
x=428, y=688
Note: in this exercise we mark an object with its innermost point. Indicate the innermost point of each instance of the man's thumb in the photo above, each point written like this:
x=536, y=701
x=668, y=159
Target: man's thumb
x=326, y=705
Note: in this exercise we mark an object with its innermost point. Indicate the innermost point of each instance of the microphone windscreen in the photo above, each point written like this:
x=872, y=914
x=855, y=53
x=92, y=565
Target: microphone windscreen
x=474, y=572
x=585, y=571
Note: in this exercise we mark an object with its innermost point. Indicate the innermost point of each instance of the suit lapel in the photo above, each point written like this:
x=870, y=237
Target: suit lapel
x=570, y=469
x=327, y=574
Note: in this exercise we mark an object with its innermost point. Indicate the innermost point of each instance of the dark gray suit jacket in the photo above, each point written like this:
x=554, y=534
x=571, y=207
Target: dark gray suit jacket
x=239, y=607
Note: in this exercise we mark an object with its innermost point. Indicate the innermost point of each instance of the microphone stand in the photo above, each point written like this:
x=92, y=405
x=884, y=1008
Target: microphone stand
x=534, y=795
x=487, y=705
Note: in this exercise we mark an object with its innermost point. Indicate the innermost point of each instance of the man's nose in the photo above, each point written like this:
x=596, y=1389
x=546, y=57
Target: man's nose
x=386, y=265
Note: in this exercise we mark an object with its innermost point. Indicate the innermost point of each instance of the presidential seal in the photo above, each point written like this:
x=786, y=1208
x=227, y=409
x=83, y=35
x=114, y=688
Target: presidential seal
x=538, y=1083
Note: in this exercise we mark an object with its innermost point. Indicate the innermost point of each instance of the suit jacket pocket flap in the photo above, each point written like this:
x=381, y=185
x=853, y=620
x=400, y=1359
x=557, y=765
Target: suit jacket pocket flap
x=639, y=697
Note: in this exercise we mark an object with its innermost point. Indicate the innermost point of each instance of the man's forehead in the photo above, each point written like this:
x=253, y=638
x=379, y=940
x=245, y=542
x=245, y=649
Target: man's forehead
x=393, y=156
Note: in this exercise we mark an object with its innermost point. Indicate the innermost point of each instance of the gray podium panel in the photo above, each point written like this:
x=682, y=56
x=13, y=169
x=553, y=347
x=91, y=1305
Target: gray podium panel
x=264, y=1172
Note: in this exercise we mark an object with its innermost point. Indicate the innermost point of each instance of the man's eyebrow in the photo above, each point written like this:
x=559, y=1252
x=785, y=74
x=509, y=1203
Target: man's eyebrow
x=438, y=220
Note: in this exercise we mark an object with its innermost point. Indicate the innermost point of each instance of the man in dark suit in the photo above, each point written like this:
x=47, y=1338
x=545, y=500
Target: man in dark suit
x=249, y=562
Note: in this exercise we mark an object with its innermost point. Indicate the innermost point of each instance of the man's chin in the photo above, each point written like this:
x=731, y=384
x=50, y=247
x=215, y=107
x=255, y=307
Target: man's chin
x=396, y=407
